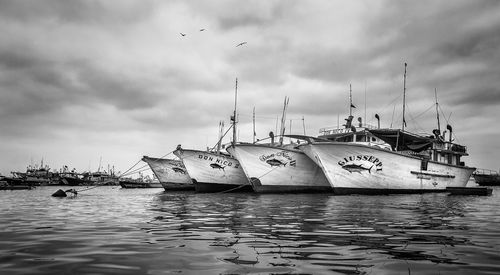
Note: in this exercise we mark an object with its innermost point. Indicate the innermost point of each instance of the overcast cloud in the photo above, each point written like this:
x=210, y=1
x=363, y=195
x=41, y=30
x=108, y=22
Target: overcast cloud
x=81, y=80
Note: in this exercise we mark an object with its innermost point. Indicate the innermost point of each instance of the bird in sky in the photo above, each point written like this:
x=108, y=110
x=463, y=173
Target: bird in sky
x=183, y=34
x=202, y=30
x=241, y=44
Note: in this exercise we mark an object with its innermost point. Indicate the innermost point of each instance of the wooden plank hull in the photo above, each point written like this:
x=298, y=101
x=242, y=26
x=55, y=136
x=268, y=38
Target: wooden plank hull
x=212, y=168
x=355, y=168
x=277, y=170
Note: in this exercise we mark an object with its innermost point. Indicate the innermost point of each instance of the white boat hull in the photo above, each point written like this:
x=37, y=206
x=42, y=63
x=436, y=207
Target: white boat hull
x=213, y=172
x=275, y=169
x=171, y=173
x=355, y=168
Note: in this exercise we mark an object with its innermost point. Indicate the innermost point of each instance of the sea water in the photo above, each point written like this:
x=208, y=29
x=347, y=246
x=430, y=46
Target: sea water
x=110, y=230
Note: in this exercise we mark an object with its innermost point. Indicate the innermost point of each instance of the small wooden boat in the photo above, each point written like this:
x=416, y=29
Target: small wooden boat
x=139, y=183
x=486, y=177
x=6, y=185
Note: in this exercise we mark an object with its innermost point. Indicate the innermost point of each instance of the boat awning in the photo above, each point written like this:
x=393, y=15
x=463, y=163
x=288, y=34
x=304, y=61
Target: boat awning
x=307, y=138
x=400, y=140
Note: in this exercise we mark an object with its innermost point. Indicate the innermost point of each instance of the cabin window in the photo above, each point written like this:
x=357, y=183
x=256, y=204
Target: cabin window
x=374, y=139
x=423, y=164
x=359, y=138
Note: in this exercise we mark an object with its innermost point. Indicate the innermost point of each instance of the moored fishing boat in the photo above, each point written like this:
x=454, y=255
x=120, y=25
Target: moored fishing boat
x=413, y=163
x=279, y=168
x=171, y=173
x=213, y=170
x=12, y=183
x=71, y=179
x=357, y=168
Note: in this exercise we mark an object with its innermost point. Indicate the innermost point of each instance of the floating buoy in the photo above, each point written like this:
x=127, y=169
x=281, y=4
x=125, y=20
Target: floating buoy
x=59, y=193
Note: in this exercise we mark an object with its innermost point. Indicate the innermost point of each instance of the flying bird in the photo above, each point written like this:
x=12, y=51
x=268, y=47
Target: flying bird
x=241, y=44
x=202, y=30
x=183, y=34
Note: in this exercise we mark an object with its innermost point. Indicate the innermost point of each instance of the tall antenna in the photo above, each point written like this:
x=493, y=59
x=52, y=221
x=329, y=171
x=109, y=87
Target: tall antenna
x=365, y=101
x=234, y=115
x=437, y=111
x=404, y=100
x=350, y=100
x=254, y=134
x=304, y=125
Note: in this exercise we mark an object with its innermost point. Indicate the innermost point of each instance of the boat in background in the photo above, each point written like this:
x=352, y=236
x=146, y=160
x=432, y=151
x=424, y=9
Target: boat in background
x=36, y=175
x=140, y=182
x=486, y=177
x=100, y=178
x=170, y=172
x=12, y=183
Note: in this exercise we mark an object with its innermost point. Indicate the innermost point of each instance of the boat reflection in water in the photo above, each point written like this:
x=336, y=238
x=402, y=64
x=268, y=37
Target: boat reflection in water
x=314, y=234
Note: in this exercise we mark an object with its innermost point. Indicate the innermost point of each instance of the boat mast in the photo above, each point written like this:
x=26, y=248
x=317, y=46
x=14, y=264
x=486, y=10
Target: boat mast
x=221, y=135
x=283, y=119
x=437, y=110
x=234, y=115
x=404, y=100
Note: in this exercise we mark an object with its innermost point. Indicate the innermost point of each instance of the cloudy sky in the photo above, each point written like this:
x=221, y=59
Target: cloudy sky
x=82, y=81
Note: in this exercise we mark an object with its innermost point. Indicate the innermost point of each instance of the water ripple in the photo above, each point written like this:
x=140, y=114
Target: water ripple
x=109, y=230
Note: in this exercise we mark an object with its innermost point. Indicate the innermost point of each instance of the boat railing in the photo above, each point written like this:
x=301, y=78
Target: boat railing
x=449, y=146
x=337, y=130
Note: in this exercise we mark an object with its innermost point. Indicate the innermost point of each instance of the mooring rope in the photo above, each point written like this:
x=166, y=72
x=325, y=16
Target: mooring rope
x=142, y=168
x=236, y=188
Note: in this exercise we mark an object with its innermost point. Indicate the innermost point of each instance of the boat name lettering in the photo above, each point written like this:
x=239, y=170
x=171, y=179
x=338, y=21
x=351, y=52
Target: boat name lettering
x=282, y=154
x=217, y=160
x=371, y=159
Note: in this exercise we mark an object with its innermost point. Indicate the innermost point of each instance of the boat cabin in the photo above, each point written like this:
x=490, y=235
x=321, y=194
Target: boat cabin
x=353, y=133
x=433, y=148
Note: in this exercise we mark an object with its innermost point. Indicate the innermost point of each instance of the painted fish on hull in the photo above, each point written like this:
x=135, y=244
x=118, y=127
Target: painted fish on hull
x=217, y=166
x=357, y=168
x=276, y=162
x=179, y=170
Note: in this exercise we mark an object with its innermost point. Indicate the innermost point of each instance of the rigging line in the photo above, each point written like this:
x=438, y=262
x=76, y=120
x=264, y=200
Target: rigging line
x=158, y=159
x=414, y=121
x=140, y=169
x=131, y=167
x=220, y=140
x=422, y=113
x=268, y=172
x=442, y=112
x=135, y=171
x=266, y=117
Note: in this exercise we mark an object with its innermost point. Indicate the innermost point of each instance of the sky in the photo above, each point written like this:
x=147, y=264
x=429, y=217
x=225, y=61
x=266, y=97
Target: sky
x=84, y=83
